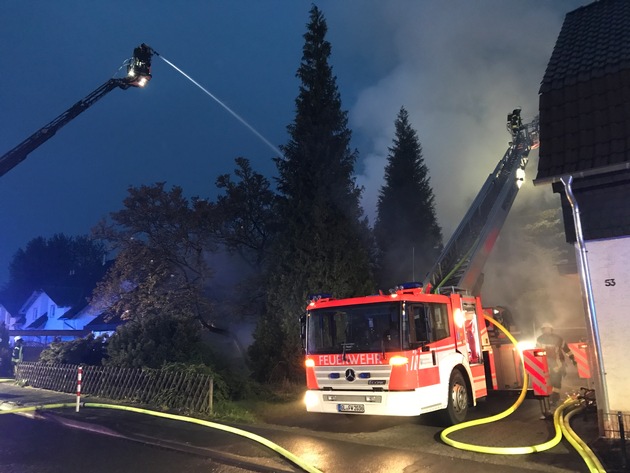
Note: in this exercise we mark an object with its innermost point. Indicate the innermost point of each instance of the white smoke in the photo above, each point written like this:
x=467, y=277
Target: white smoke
x=459, y=68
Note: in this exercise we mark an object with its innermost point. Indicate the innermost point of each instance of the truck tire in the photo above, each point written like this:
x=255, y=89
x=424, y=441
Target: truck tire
x=457, y=407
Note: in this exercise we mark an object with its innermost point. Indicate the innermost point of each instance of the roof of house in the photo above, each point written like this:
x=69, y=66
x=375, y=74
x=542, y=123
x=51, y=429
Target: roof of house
x=104, y=323
x=75, y=310
x=39, y=322
x=72, y=297
x=67, y=296
x=585, y=94
x=11, y=305
x=29, y=302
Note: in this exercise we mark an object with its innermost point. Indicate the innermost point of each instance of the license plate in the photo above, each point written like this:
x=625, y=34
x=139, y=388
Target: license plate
x=360, y=408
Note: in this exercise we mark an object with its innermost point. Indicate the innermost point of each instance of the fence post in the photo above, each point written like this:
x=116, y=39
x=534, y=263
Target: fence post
x=211, y=395
x=622, y=437
x=80, y=375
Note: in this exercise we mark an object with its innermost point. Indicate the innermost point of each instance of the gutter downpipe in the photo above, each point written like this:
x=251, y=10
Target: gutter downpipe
x=589, y=303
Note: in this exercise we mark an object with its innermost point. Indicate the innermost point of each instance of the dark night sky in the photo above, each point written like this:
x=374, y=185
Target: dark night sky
x=457, y=66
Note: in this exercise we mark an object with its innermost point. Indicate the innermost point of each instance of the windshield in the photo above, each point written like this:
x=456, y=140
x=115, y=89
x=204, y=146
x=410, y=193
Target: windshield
x=356, y=328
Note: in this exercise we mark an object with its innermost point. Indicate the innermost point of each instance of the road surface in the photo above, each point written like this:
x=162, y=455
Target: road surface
x=97, y=440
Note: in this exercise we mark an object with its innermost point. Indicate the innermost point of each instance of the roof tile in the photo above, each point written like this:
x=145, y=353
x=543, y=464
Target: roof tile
x=585, y=92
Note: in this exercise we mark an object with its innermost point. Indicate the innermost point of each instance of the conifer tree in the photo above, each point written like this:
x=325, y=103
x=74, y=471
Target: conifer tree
x=323, y=240
x=407, y=233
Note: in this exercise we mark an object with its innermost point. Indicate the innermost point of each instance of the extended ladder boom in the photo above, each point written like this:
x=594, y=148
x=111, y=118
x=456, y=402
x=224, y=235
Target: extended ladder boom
x=138, y=74
x=18, y=154
x=463, y=258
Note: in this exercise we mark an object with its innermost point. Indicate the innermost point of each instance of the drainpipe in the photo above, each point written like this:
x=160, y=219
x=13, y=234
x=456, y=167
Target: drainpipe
x=589, y=302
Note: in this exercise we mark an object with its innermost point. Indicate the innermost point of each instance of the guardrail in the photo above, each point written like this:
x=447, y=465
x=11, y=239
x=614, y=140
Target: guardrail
x=181, y=390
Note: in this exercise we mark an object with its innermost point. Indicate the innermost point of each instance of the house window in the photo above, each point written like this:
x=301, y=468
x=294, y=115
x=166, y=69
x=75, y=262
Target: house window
x=34, y=314
x=51, y=312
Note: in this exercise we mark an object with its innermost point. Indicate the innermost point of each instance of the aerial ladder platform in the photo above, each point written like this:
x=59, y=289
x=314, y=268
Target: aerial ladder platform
x=138, y=74
x=460, y=265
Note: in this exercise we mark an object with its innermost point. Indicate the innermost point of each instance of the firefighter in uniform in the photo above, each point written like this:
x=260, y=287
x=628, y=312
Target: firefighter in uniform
x=557, y=352
x=16, y=354
x=514, y=121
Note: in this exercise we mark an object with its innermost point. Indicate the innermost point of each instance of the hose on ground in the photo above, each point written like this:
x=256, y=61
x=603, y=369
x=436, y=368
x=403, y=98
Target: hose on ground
x=589, y=457
x=560, y=423
x=243, y=433
x=487, y=420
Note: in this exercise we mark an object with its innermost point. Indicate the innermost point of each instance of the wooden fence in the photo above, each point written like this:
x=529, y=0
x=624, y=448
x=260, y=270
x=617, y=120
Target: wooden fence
x=184, y=391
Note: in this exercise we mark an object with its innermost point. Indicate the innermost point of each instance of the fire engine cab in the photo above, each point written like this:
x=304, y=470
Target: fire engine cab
x=422, y=347
x=402, y=354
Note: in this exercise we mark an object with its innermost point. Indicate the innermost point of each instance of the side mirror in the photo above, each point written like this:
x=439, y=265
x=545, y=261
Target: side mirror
x=303, y=330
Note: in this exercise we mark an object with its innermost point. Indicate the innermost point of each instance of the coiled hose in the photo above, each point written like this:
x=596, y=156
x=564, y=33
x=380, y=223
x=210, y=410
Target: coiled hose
x=561, y=425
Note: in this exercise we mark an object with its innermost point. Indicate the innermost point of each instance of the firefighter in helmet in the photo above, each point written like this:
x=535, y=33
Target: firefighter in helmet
x=515, y=122
x=17, y=355
x=557, y=352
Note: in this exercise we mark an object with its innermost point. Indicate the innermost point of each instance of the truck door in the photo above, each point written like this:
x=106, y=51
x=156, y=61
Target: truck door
x=430, y=337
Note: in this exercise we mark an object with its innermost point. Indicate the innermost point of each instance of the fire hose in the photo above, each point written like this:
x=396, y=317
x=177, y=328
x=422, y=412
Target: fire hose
x=243, y=433
x=561, y=426
x=560, y=422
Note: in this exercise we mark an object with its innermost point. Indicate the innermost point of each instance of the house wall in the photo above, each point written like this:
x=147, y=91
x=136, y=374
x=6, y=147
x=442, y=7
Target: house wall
x=38, y=308
x=602, y=200
x=610, y=277
x=55, y=323
x=43, y=304
x=5, y=317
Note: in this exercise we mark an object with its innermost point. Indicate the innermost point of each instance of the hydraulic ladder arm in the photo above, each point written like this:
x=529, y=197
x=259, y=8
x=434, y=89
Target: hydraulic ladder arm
x=138, y=74
x=461, y=263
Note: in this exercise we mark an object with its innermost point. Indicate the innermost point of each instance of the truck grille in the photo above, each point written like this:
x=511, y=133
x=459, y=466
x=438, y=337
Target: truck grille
x=366, y=377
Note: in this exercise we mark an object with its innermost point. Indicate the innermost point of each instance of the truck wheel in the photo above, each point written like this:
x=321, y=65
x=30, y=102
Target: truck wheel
x=457, y=407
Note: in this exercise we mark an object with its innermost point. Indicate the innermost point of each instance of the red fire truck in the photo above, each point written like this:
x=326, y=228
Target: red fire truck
x=422, y=347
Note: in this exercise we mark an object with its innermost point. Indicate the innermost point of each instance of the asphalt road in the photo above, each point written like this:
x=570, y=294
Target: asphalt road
x=98, y=440
x=33, y=446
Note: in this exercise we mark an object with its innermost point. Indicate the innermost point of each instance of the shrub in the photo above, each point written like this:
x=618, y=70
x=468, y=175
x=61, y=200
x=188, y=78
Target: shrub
x=90, y=350
x=221, y=390
x=155, y=340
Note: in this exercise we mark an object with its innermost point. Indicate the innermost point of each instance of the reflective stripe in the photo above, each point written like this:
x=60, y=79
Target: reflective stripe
x=581, y=359
x=79, y=376
x=536, y=367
